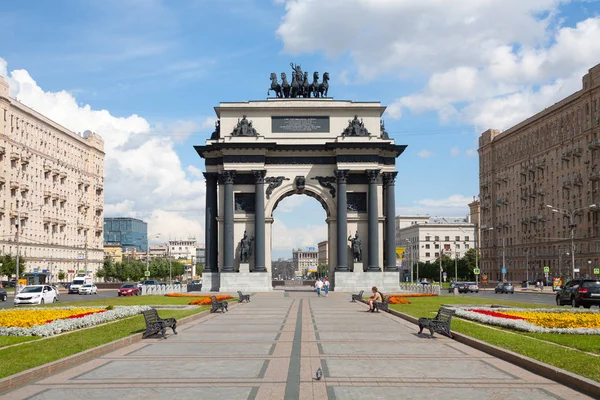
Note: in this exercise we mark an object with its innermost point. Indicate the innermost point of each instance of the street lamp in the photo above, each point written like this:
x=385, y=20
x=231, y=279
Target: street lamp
x=527, y=268
x=570, y=214
x=410, y=259
x=441, y=252
x=148, y=249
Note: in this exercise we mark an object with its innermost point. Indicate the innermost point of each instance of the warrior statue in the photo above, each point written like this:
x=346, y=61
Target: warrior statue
x=245, y=248
x=356, y=247
x=244, y=128
x=384, y=133
x=295, y=87
x=274, y=86
x=297, y=73
x=355, y=127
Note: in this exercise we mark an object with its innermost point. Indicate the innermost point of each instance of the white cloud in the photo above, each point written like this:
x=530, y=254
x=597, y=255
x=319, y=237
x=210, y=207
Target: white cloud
x=143, y=173
x=289, y=204
x=455, y=151
x=490, y=63
x=425, y=153
x=285, y=238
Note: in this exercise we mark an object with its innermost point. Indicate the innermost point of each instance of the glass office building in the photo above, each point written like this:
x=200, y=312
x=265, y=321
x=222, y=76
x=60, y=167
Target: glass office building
x=128, y=232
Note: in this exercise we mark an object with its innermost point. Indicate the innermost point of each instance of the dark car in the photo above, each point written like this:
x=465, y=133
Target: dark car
x=129, y=289
x=3, y=294
x=504, y=287
x=452, y=286
x=150, y=282
x=579, y=292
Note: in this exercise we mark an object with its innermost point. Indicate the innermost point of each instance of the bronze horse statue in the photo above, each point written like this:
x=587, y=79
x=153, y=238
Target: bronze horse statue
x=324, y=87
x=305, y=86
x=295, y=87
x=314, y=87
x=276, y=87
x=285, y=86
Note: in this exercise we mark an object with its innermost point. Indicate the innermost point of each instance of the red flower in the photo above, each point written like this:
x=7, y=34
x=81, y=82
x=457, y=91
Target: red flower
x=497, y=314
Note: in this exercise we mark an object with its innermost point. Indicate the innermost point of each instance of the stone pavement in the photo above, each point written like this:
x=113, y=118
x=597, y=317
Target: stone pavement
x=272, y=347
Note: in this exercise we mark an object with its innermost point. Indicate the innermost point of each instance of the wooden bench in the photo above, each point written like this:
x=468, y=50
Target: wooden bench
x=439, y=324
x=217, y=305
x=358, y=296
x=242, y=297
x=155, y=324
x=382, y=305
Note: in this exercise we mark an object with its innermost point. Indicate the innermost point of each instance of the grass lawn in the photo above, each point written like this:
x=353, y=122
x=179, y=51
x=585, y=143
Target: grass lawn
x=123, y=301
x=36, y=353
x=570, y=359
x=9, y=340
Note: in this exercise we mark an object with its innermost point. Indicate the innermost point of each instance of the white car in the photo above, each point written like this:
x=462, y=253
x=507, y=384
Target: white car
x=88, y=289
x=36, y=294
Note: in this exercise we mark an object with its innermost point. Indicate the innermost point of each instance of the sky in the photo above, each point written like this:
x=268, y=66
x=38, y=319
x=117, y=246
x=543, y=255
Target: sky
x=146, y=74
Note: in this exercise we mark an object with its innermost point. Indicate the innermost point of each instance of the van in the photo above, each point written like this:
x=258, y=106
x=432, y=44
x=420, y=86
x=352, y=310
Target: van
x=79, y=282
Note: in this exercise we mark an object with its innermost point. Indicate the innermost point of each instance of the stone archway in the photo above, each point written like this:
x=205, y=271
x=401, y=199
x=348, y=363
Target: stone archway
x=265, y=151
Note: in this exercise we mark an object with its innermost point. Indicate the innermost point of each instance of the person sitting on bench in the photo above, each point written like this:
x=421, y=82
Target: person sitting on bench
x=375, y=297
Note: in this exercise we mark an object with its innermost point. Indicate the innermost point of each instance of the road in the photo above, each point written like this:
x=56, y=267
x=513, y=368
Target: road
x=64, y=298
x=532, y=298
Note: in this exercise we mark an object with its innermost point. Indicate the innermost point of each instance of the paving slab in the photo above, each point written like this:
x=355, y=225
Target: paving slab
x=272, y=347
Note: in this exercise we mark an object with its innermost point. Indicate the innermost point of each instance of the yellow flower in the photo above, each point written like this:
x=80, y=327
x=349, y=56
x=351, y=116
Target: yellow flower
x=32, y=317
x=559, y=319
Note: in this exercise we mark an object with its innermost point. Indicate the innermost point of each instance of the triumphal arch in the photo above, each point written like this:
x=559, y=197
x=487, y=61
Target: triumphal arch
x=336, y=151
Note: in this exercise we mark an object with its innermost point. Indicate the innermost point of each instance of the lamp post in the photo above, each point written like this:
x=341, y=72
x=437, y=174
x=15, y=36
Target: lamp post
x=527, y=268
x=455, y=263
x=572, y=225
x=410, y=259
x=148, y=249
x=589, y=268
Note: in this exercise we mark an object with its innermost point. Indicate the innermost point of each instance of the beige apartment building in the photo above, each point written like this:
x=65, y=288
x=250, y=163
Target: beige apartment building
x=548, y=162
x=51, y=191
x=323, y=249
x=305, y=260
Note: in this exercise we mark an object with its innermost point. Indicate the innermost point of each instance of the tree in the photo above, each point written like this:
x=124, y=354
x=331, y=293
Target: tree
x=61, y=275
x=9, y=265
x=199, y=269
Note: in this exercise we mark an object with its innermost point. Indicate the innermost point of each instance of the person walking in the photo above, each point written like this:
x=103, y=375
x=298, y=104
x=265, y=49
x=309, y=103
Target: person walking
x=319, y=286
x=326, y=286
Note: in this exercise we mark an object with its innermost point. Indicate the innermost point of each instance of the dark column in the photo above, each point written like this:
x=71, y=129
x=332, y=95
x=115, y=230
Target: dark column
x=211, y=241
x=390, y=221
x=228, y=246
x=342, y=221
x=259, y=221
x=373, y=220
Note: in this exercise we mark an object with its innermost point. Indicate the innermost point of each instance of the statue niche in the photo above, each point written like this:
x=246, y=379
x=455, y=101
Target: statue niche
x=245, y=248
x=355, y=127
x=244, y=128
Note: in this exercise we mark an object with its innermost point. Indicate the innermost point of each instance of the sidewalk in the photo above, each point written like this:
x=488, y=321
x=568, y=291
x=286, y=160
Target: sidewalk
x=272, y=347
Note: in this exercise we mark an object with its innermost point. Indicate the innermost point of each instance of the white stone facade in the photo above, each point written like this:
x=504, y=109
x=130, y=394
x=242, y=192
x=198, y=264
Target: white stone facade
x=305, y=259
x=58, y=176
x=427, y=236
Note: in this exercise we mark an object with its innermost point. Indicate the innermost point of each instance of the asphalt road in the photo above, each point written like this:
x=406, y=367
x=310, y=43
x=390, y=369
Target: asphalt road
x=102, y=294
x=531, y=298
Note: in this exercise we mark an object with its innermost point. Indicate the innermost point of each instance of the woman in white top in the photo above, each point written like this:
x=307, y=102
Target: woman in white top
x=319, y=285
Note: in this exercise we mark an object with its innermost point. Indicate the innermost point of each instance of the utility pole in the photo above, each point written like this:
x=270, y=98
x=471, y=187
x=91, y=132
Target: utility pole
x=17, y=239
x=503, y=260
x=455, y=264
x=527, y=268
x=86, y=254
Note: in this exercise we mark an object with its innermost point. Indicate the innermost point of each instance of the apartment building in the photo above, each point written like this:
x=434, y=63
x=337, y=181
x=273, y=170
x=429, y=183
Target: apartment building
x=423, y=238
x=130, y=233
x=51, y=192
x=305, y=259
x=537, y=182
x=323, y=249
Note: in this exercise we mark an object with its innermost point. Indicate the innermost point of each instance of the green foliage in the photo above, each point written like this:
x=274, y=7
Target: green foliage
x=9, y=265
x=133, y=270
x=464, y=266
x=61, y=275
x=199, y=269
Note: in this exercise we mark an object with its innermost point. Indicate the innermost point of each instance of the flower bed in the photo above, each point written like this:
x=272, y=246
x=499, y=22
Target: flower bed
x=551, y=320
x=184, y=295
x=414, y=295
x=205, y=300
x=398, y=300
x=52, y=321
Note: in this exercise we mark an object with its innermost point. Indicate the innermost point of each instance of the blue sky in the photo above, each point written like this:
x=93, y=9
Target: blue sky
x=145, y=74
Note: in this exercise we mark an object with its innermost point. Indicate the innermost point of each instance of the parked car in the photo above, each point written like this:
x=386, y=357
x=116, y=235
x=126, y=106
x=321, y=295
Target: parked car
x=579, y=292
x=36, y=294
x=504, y=287
x=88, y=289
x=129, y=289
x=3, y=294
x=471, y=287
x=452, y=286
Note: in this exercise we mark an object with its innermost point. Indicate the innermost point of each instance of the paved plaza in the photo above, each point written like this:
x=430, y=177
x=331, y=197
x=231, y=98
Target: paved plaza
x=272, y=347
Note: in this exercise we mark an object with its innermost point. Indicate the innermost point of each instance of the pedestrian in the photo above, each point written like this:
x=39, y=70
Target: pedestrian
x=19, y=288
x=376, y=297
x=319, y=286
x=326, y=285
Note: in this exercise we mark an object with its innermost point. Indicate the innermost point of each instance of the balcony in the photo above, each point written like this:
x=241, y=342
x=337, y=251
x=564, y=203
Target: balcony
x=566, y=155
x=541, y=193
x=25, y=158
x=47, y=219
x=531, y=168
x=81, y=224
x=2, y=210
x=485, y=184
x=63, y=174
x=2, y=150
x=594, y=144
x=24, y=187
x=541, y=165
x=47, y=166
x=14, y=156
x=47, y=194
x=99, y=207
x=595, y=176
x=578, y=152
x=578, y=181
x=55, y=172
x=62, y=222
x=99, y=187
x=523, y=172
x=62, y=198
x=54, y=196
x=524, y=196
x=525, y=221
x=566, y=184
x=14, y=184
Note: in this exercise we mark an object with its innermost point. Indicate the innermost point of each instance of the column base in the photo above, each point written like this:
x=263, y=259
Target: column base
x=354, y=282
x=246, y=282
x=210, y=282
x=341, y=268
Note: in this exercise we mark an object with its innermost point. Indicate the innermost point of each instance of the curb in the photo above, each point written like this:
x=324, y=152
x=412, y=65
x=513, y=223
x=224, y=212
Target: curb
x=23, y=378
x=575, y=382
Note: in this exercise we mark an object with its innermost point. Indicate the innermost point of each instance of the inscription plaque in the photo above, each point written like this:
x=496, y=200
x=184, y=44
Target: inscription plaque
x=299, y=124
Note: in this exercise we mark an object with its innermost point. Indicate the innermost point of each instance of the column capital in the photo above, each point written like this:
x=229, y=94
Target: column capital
x=210, y=175
x=389, y=178
x=227, y=177
x=259, y=175
x=342, y=175
x=372, y=175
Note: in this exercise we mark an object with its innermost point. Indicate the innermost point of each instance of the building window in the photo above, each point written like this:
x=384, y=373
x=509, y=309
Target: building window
x=427, y=238
x=467, y=246
x=437, y=238
x=427, y=246
x=437, y=255
x=458, y=246
x=457, y=238
x=466, y=238
x=427, y=254
x=437, y=246
x=447, y=238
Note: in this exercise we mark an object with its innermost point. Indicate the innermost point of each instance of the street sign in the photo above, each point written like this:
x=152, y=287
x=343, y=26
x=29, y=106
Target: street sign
x=146, y=273
x=476, y=271
x=36, y=269
x=503, y=270
x=576, y=270
x=546, y=269
x=444, y=274
x=596, y=271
